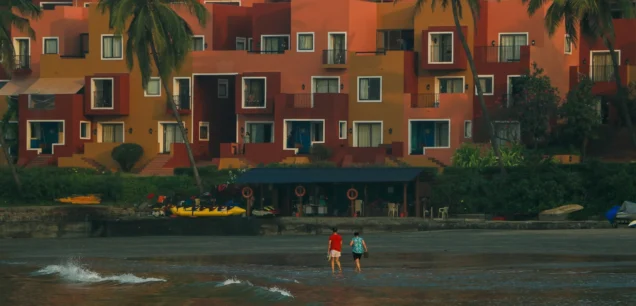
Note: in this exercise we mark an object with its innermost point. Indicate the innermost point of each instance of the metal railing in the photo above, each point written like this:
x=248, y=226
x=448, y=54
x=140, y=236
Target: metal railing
x=602, y=73
x=334, y=57
x=499, y=54
x=441, y=54
x=304, y=100
x=182, y=101
x=22, y=61
x=281, y=51
x=252, y=101
x=41, y=102
x=103, y=99
x=376, y=52
x=425, y=101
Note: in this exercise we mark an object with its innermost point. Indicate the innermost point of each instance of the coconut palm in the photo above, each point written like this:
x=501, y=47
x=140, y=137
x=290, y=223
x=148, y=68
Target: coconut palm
x=474, y=7
x=157, y=36
x=594, y=19
x=26, y=11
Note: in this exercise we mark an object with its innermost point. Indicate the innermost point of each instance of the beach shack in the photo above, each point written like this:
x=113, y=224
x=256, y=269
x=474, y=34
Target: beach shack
x=339, y=192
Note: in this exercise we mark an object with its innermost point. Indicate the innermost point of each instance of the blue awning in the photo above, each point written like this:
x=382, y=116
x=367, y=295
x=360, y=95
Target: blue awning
x=331, y=175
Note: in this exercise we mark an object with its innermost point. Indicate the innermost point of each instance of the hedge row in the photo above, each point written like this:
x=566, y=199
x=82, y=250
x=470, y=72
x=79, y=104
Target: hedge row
x=530, y=190
x=47, y=184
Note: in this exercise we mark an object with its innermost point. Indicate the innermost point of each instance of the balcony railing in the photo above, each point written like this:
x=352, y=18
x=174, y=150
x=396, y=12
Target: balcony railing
x=441, y=54
x=182, y=101
x=102, y=99
x=303, y=101
x=499, y=54
x=22, y=62
x=280, y=51
x=334, y=57
x=252, y=101
x=42, y=102
x=602, y=73
x=425, y=101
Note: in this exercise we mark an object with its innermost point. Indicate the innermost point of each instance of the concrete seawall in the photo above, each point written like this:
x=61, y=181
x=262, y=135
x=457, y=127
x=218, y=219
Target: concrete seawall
x=103, y=221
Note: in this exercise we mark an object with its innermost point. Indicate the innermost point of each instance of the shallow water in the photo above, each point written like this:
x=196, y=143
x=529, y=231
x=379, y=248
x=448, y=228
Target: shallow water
x=388, y=278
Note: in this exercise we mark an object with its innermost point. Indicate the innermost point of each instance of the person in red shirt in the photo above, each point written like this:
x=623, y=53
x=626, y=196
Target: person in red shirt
x=335, y=249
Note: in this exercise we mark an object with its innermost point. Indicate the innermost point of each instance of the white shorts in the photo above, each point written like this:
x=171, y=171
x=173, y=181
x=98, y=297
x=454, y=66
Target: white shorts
x=334, y=253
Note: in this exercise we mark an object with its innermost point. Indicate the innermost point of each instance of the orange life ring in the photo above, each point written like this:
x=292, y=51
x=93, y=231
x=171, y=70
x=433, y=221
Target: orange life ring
x=300, y=191
x=352, y=194
x=247, y=192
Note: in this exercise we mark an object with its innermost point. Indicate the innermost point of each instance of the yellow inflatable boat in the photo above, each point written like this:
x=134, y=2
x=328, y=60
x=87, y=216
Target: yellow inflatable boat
x=206, y=212
x=90, y=199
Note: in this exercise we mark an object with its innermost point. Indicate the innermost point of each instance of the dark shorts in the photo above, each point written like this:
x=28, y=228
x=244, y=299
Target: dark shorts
x=357, y=256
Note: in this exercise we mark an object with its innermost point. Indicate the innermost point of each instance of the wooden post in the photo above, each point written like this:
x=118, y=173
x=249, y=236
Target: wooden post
x=275, y=197
x=249, y=206
x=288, y=198
x=418, y=203
x=405, y=205
x=353, y=208
x=300, y=206
x=262, y=195
x=366, y=201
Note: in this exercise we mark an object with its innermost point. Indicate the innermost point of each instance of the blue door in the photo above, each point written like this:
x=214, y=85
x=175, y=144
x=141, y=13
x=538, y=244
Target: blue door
x=302, y=136
x=422, y=135
x=50, y=136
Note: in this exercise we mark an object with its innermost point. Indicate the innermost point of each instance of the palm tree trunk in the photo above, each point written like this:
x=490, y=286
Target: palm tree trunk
x=480, y=94
x=175, y=112
x=621, y=90
x=10, y=163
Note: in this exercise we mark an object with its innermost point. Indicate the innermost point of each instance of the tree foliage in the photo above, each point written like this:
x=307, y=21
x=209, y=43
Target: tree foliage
x=474, y=156
x=580, y=112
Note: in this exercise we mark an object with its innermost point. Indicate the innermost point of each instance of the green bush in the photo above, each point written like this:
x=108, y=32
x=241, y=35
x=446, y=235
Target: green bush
x=320, y=152
x=127, y=155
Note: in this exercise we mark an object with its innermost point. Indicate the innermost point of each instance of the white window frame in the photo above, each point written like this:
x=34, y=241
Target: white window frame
x=202, y=38
x=275, y=35
x=430, y=41
x=567, y=43
x=618, y=54
x=450, y=130
x=225, y=82
x=101, y=48
x=437, y=84
x=499, y=35
x=508, y=79
x=313, y=85
x=492, y=82
x=355, y=130
x=87, y=4
x=206, y=124
x=55, y=2
x=250, y=41
x=240, y=40
x=57, y=40
x=112, y=80
x=358, y=88
x=313, y=41
x=273, y=123
x=146, y=94
x=28, y=135
x=16, y=44
x=100, y=130
x=175, y=92
x=468, y=133
x=88, y=129
x=264, y=92
x=329, y=43
x=285, y=132
x=341, y=130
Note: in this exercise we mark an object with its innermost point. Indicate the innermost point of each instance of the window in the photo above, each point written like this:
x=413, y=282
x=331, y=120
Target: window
x=240, y=43
x=50, y=45
x=468, y=129
x=102, y=93
x=325, y=85
x=254, y=92
x=275, y=44
x=222, y=89
x=568, y=44
x=85, y=130
x=368, y=134
x=601, y=68
x=22, y=47
x=441, y=48
x=181, y=92
x=369, y=89
x=153, y=88
x=249, y=44
x=198, y=43
x=510, y=47
x=515, y=89
x=87, y=4
x=300, y=135
x=259, y=132
x=2, y=83
x=112, y=132
x=342, y=129
x=507, y=132
x=112, y=47
x=450, y=85
x=317, y=131
x=487, y=84
x=51, y=5
x=427, y=134
x=395, y=40
x=204, y=131
x=305, y=42
x=41, y=102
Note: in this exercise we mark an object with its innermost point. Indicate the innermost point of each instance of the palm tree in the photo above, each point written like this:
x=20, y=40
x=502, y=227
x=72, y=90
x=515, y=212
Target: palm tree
x=157, y=35
x=594, y=19
x=9, y=19
x=474, y=6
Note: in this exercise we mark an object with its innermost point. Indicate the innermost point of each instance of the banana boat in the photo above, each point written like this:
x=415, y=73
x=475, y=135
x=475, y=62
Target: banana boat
x=207, y=212
x=90, y=199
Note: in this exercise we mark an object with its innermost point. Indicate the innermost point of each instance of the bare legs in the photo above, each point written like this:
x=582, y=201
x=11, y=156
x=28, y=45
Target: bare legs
x=335, y=261
x=358, y=269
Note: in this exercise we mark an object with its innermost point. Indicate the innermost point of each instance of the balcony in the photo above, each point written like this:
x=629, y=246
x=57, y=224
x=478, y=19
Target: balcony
x=107, y=95
x=313, y=106
x=22, y=62
x=183, y=105
x=41, y=102
x=51, y=106
x=425, y=101
x=444, y=105
x=266, y=52
x=442, y=50
x=504, y=59
x=334, y=59
x=103, y=99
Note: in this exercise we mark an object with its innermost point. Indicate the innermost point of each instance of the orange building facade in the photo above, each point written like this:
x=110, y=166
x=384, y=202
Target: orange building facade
x=266, y=82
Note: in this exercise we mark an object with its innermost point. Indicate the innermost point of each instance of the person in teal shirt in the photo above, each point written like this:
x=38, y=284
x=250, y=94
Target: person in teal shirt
x=359, y=247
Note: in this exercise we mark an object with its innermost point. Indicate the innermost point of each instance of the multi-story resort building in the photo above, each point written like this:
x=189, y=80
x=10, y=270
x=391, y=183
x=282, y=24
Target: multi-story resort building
x=267, y=80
